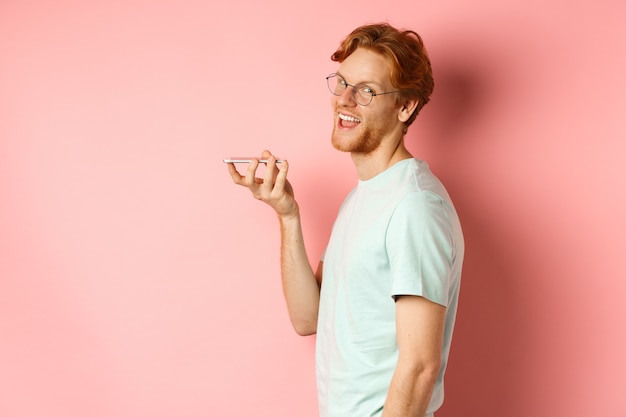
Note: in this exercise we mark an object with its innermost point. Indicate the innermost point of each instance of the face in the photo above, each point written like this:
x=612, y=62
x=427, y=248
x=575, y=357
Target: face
x=362, y=129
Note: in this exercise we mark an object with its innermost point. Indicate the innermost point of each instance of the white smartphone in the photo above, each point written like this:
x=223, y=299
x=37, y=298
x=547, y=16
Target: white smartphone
x=246, y=160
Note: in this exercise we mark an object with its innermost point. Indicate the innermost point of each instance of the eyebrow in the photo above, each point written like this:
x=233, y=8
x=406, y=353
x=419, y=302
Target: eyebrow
x=361, y=82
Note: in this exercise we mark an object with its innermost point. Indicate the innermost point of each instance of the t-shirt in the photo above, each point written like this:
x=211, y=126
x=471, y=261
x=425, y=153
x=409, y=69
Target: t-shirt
x=396, y=234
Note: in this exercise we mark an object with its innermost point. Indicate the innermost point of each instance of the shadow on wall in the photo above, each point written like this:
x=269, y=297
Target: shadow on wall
x=483, y=373
x=457, y=100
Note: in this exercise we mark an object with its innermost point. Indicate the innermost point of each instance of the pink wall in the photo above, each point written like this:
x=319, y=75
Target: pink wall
x=136, y=280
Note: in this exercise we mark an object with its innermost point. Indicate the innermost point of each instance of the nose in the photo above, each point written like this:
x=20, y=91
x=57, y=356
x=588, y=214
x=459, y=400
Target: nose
x=347, y=97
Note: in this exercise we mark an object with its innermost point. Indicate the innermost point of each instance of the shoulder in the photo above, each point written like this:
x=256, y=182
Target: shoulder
x=421, y=203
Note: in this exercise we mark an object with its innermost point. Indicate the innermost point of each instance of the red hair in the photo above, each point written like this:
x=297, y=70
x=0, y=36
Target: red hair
x=411, y=72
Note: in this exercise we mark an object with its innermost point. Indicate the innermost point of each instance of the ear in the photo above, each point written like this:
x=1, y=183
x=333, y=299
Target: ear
x=407, y=109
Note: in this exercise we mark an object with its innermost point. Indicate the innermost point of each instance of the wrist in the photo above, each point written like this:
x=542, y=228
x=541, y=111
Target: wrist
x=292, y=215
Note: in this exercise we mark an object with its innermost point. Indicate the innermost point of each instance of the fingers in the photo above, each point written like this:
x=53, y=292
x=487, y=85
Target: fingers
x=281, y=177
x=270, y=173
x=273, y=183
x=232, y=170
x=249, y=179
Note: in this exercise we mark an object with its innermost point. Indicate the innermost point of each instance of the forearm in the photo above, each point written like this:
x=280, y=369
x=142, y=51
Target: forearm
x=300, y=285
x=410, y=392
x=419, y=332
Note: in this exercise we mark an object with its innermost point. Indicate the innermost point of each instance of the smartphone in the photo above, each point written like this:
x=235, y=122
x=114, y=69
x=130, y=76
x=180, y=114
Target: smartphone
x=246, y=160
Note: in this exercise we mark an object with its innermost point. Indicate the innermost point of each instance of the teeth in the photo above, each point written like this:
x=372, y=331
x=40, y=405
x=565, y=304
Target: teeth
x=349, y=118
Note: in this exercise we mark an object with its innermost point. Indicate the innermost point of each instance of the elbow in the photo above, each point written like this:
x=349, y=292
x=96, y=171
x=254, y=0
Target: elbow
x=429, y=371
x=432, y=371
x=305, y=328
x=305, y=332
x=426, y=370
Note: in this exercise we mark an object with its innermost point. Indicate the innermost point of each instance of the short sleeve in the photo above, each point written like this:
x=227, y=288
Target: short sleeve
x=420, y=247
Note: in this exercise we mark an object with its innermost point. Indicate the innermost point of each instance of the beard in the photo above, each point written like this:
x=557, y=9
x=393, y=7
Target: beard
x=368, y=140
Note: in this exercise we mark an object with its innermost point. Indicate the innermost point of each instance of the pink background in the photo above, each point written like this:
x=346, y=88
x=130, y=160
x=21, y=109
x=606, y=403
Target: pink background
x=136, y=280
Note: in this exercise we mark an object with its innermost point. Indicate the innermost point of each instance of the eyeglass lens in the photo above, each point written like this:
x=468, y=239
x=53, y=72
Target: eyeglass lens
x=361, y=93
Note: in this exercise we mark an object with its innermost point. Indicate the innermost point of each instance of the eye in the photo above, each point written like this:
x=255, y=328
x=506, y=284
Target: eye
x=342, y=82
x=366, y=90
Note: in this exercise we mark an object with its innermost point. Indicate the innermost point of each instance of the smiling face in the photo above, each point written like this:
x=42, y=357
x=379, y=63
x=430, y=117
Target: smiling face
x=362, y=129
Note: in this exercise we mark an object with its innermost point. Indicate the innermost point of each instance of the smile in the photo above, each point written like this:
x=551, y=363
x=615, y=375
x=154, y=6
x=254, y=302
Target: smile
x=349, y=118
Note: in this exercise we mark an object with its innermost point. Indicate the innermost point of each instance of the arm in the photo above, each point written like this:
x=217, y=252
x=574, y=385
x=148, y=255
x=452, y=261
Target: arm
x=419, y=328
x=301, y=286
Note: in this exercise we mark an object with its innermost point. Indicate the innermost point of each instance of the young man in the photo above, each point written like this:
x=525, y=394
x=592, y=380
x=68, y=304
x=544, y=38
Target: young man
x=383, y=300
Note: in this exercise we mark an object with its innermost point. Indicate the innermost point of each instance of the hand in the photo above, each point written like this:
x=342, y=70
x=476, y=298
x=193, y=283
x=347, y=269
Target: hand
x=273, y=189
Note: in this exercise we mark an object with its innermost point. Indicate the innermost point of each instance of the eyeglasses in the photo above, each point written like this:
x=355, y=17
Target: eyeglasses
x=361, y=93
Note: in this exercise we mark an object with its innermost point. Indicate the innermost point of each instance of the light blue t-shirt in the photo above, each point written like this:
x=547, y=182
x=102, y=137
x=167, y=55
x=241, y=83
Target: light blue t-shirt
x=396, y=234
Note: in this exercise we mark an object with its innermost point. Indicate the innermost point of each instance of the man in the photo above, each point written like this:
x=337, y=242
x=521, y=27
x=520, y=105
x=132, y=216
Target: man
x=383, y=300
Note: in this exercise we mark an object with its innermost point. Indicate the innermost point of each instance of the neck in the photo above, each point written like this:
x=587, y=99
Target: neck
x=371, y=164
